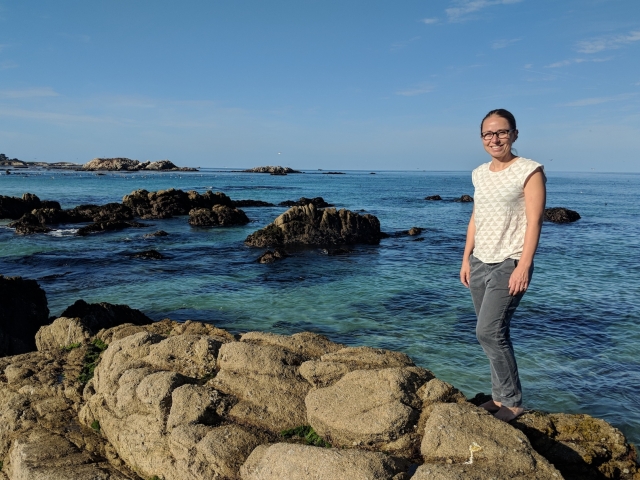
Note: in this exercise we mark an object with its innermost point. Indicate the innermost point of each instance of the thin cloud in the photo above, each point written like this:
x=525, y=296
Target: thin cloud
x=585, y=102
x=607, y=43
x=76, y=37
x=417, y=90
x=6, y=65
x=574, y=61
x=29, y=93
x=429, y=21
x=504, y=43
x=465, y=7
x=402, y=44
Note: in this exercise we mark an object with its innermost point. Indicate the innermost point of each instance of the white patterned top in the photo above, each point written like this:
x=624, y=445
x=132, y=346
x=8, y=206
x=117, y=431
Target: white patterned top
x=500, y=218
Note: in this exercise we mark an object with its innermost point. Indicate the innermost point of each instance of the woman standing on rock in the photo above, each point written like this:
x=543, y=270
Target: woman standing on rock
x=502, y=238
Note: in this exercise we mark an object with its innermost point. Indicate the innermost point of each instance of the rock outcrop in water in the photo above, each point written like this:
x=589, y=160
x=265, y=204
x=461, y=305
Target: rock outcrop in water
x=560, y=215
x=14, y=207
x=128, y=165
x=171, y=202
x=311, y=226
x=218, y=215
x=273, y=170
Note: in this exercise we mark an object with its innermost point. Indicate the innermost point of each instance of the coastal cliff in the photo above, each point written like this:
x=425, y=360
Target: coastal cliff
x=109, y=395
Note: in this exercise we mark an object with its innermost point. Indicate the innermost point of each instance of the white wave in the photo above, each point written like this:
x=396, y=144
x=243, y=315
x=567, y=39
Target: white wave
x=63, y=232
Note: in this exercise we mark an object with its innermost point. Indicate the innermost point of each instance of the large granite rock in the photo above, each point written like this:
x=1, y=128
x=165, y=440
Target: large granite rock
x=160, y=419
x=560, y=215
x=502, y=452
x=218, y=215
x=301, y=462
x=190, y=401
x=23, y=310
x=167, y=203
x=580, y=446
x=262, y=372
x=81, y=321
x=378, y=409
x=311, y=226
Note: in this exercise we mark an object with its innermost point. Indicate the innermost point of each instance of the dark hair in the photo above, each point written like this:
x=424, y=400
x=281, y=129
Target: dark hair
x=501, y=112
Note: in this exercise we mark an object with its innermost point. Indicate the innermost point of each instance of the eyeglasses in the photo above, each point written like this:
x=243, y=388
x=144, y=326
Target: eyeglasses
x=502, y=134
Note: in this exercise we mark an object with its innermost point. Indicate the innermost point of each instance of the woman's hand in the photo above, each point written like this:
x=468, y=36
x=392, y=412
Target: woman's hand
x=519, y=280
x=465, y=272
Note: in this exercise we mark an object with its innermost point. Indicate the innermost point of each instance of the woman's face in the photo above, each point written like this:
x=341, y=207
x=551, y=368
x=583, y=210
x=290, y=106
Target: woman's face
x=499, y=148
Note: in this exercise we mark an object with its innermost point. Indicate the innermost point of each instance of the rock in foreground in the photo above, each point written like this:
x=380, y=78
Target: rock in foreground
x=310, y=226
x=23, y=310
x=189, y=401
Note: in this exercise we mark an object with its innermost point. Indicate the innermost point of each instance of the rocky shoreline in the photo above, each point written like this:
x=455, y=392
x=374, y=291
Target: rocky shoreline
x=108, y=394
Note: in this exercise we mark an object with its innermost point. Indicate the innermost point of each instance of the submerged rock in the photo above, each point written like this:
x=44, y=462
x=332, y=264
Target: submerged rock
x=317, y=202
x=464, y=199
x=108, y=226
x=560, y=215
x=414, y=231
x=309, y=226
x=149, y=255
x=159, y=233
x=251, y=203
x=270, y=257
x=433, y=197
x=23, y=310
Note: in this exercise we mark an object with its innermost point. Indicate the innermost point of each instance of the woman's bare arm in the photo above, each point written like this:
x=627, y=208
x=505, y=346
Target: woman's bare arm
x=535, y=197
x=465, y=270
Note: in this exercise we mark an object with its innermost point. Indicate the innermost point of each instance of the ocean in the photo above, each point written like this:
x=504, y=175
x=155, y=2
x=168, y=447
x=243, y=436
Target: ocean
x=576, y=332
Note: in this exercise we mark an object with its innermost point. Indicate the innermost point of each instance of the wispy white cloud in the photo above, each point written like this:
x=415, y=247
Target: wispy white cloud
x=504, y=43
x=574, y=61
x=7, y=64
x=528, y=65
x=76, y=37
x=403, y=43
x=430, y=21
x=465, y=7
x=607, y=43
x=417, y=90
x=29, y=93
x=3, y=46
x=585, y=102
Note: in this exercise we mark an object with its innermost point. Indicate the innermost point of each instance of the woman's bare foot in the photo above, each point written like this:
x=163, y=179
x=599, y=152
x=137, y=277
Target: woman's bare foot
x=491, y=406
x=506, y=414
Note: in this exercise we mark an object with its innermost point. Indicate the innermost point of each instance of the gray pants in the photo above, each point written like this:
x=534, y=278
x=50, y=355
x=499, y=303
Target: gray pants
x=489, y=285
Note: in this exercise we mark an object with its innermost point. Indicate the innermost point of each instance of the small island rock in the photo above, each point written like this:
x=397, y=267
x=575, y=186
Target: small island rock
x=310, y=226
x=560, y=215
x=218, y=215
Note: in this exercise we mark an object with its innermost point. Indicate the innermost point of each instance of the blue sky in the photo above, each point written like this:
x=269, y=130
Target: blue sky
x=320, y=84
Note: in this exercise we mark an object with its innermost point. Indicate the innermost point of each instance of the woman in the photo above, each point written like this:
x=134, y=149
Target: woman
x=502, y=238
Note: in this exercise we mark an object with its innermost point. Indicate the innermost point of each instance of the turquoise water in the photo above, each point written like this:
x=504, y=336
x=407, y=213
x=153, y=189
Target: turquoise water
x=576, y=332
